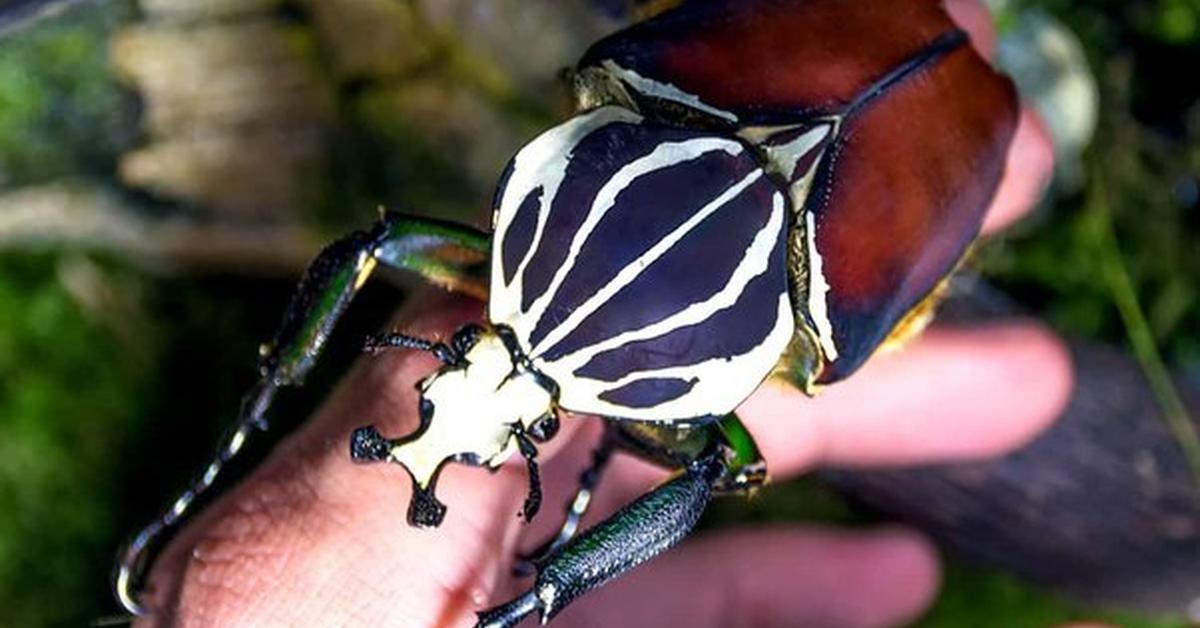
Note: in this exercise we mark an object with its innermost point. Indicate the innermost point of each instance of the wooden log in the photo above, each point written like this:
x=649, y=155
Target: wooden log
x=236, y=114
x=1102, y=506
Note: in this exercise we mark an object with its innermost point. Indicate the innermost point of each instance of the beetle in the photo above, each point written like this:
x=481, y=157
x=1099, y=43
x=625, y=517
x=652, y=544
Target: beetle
x=747, y=186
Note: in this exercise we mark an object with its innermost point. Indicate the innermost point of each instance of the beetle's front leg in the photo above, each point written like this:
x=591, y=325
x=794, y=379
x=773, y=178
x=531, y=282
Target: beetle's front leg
x=638, y=532
x=443, y=253
x=533, y=499
x=589, y=479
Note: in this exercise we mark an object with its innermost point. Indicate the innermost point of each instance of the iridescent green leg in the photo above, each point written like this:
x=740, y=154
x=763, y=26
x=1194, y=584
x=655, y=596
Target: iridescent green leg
x=649, y=526
x=746, y=468
x=446, y=254
x=727, y=461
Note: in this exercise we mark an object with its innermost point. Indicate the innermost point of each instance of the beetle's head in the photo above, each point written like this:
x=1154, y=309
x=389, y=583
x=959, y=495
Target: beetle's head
x=476, y=410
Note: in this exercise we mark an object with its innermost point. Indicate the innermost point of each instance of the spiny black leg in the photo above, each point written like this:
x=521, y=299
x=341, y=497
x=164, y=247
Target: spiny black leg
x=544, y=428
x=533, y=500
x=424, y=509
x=465, y=338
x=576, y=508
x=322, y=295
x=446, y=254
x=588, y=481
x=380, y=342
x=452, y=354
x=368, y=445
x=137, y=555
x=638, y=532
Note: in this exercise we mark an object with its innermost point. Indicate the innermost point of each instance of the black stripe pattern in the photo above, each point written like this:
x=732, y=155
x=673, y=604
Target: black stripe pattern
x=642, y=266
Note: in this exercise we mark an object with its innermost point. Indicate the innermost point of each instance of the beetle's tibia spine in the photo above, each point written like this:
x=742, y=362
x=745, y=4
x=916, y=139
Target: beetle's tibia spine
x=424, y=509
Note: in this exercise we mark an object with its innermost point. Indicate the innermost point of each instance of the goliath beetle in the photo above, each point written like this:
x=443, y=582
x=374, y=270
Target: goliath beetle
x=738, y=192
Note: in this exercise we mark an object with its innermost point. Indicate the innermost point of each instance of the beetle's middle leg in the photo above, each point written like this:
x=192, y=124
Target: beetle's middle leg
x=719, y=457
x=638, y=532
x=445, y=254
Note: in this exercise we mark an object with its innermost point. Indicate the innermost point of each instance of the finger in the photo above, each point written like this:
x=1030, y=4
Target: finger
x=1027, y=173
x=773, y=577
x=954, y=394
x=310, y=536
x=975, y=18
x=1030, y=161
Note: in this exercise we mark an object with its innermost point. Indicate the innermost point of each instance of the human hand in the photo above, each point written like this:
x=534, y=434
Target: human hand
x=312, y=539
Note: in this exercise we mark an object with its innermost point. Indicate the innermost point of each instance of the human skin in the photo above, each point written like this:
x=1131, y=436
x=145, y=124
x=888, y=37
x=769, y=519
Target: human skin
x=311, y=539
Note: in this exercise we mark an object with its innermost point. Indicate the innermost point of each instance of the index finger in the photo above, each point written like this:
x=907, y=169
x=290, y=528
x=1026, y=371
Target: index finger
x=952, y=395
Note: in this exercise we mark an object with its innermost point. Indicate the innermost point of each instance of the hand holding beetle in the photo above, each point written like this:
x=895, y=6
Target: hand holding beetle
x=311, y=540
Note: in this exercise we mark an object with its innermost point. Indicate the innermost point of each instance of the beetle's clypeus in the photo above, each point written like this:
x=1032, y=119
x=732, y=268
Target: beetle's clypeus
x=748, y=185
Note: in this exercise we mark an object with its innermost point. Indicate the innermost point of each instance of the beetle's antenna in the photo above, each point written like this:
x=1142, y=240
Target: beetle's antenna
x=140, y=552
x=380, y=342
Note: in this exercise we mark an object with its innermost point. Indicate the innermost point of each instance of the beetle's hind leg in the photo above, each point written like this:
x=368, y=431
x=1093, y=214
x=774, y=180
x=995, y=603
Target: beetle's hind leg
x=638, y=532
x=445, y=254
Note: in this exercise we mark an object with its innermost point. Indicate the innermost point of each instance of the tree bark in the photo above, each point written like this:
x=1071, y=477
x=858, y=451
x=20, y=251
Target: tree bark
x=1102, y=506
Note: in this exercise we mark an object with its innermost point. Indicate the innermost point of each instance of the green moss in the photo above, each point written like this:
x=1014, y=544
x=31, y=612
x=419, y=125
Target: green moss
x=61, y=110
x=68, y=388
x=1149, y=128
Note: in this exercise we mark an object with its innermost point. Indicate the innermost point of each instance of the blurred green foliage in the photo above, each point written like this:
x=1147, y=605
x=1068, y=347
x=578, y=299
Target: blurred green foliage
x=1177, y=21
x=64, y=410
x=1147, y=152
x=61, y=110
x=100, y=363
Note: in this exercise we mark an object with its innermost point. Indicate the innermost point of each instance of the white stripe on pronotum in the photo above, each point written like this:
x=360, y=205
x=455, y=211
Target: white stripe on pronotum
x=784, y=157
x=665, y=91
x=543, y=162
x=639, y=265
x=664, y=155
x=818, y=289
x=720, y=384
x=754, y=263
